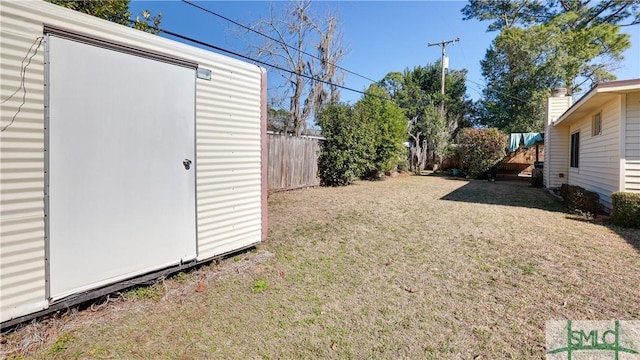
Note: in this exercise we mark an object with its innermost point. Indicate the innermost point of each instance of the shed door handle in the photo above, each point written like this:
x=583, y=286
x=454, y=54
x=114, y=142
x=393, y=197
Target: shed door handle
x=186, y=163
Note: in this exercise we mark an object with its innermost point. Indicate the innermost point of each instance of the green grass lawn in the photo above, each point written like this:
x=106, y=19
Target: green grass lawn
x=415, y=267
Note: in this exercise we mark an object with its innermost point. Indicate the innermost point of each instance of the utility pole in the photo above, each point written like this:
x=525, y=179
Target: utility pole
x=445, y=65
x=443, y=44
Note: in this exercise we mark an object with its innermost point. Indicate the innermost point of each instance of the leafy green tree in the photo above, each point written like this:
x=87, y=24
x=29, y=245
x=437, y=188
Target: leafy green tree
x=277, y=120
x=544, y=45
x=525, y=13
x=514, y=99
x=576, y=51
x=418, y=93
x=506, y=14
x=116, y=11
x=348, y=151
x=390, y=129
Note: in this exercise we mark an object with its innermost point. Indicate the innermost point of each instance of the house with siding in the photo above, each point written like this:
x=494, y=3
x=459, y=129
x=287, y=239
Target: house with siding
x=595, y=142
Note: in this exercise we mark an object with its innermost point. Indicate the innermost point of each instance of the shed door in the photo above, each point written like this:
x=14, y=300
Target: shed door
x=121, y=202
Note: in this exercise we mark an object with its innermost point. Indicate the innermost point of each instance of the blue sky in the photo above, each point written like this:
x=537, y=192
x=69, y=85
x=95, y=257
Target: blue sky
x=382, y=36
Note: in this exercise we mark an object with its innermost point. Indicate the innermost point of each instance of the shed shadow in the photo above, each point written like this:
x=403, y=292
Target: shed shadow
x=506, y=193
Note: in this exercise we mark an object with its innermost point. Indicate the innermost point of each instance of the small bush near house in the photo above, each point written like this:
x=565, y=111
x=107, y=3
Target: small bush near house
x=479, y=149
x=626, y=209
x=537, y=178
x=578, y=198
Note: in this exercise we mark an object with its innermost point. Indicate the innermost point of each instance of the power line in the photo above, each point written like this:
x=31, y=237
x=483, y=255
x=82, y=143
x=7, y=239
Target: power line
x=511, y=96
x=272, y=38
x=211, y=46
x=475, y=89
x=479, y=84
x=23, y=75
x=305, y=53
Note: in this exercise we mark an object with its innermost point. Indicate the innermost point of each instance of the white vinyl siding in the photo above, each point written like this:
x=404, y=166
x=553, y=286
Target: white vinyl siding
x=596, y=125
x=599, y=161
x=632, y=176
x=228, y=147
x=632, y=143
x=556, y=166
x=633, y=127
x=556, y=144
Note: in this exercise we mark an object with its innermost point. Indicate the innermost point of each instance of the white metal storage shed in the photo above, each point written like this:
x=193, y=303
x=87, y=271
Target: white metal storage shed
x=123, y=154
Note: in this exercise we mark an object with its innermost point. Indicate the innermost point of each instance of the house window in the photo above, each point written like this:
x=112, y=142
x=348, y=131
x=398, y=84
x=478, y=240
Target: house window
x=575, y=149
x=596, y=125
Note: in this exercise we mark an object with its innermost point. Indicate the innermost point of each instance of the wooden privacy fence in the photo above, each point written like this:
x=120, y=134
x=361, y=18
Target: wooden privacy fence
x=293, y=161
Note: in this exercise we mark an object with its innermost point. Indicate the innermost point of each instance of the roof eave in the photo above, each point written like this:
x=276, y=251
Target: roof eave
x=622, y=86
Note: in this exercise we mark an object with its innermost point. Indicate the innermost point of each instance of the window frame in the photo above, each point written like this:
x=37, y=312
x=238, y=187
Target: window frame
x=596, y=124
x=574, y=150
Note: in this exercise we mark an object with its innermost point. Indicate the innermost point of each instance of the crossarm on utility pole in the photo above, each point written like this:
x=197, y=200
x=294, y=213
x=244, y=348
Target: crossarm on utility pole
x=443, y=44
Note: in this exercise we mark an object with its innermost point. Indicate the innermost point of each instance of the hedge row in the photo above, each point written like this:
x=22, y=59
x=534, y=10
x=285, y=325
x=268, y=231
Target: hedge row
x=626, y=209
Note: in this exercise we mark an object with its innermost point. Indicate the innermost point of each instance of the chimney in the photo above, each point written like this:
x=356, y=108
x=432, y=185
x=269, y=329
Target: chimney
x=557, y=104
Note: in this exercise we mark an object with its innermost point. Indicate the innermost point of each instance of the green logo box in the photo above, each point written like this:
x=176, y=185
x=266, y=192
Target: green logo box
x=589, y=339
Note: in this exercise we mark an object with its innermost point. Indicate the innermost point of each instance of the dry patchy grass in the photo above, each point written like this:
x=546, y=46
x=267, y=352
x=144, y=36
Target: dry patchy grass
x=415, y=267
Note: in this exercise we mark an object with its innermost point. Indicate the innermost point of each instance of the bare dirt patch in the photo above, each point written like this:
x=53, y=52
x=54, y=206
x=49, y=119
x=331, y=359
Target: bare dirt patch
x=418, y=267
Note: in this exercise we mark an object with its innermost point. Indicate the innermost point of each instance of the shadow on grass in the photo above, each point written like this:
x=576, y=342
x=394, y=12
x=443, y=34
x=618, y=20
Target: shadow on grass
x=632, y=236
x=506, y=193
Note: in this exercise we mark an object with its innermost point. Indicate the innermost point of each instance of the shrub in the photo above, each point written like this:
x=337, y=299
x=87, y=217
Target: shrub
x=349, y=149
x=403, y=164
x=390, y=130
x=578, y=198
x=626, y=209
x=537, y=178
x=479, y=149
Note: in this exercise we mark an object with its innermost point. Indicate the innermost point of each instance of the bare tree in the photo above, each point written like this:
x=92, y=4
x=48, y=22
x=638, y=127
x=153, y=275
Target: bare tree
x=311, y=81
x=418, y=150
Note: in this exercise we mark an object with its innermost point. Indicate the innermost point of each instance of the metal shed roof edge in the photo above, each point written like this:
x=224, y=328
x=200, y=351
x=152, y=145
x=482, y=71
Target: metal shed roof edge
x=71, y=20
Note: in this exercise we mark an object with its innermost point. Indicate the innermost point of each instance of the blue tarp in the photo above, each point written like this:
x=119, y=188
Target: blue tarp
x=514, y=141
x=532, y=138
x=527, y=139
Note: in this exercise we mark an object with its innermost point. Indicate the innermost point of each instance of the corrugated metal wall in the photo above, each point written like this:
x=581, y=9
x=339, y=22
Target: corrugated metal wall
x=22, y=251
x=228, y=143
x=228, y=152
